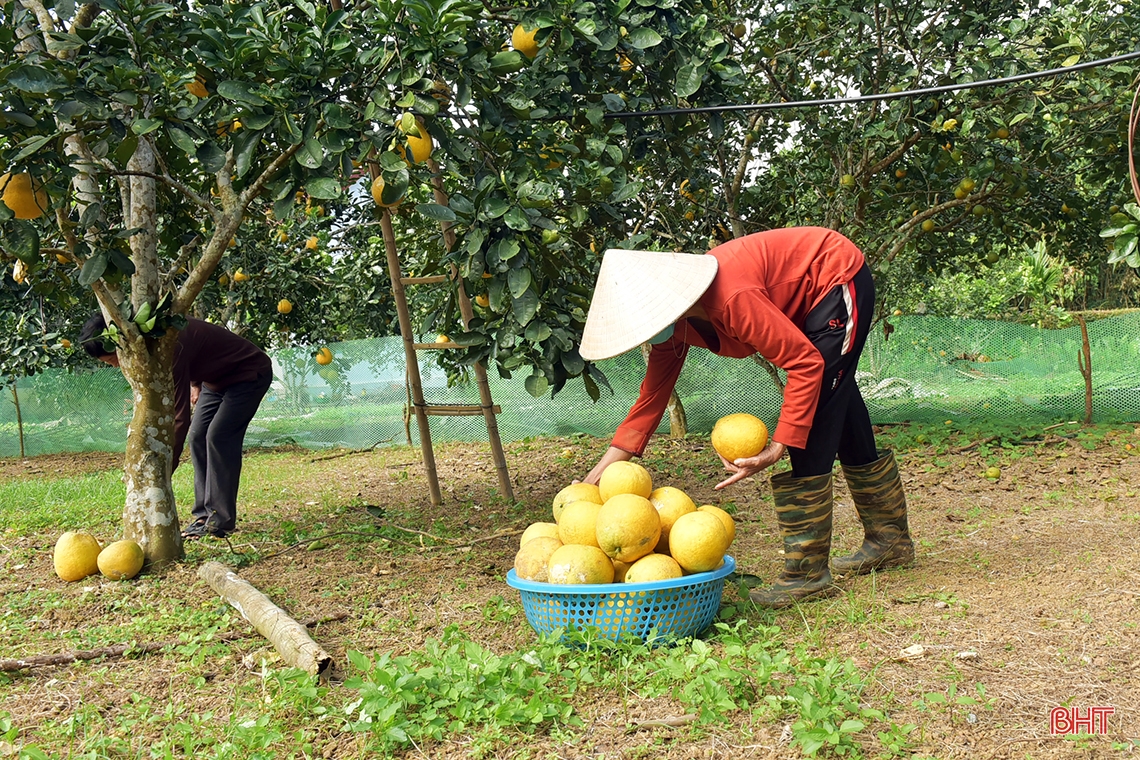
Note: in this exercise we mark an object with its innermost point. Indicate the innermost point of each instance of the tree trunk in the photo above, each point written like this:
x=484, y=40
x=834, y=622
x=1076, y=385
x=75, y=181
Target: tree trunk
x=19, y=417
x=150, y=516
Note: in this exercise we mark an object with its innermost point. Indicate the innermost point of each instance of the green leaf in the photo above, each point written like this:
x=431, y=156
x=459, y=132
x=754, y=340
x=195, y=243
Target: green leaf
x=518, y=280
x=239, y=92
x=245, y=147
x=689, y=79
x=525, y=306
x=211, y=156
x=494, y=207
x=33, y=79
x=537, y=331
x=507, y=62
x=536, y=385
x=851, y=726
x=23, y=241
x=436, y=211
x=126, y=149
x=592, y=389
x=311, y=155
x=93, y=269
x=323, y=188
x=643, y=37
x=145, y=126
x=573, y=363
x=1124, y=247
x=31, y=145
x=391, y=161
x=516, y=219
x=182, y=140
x=292, y=131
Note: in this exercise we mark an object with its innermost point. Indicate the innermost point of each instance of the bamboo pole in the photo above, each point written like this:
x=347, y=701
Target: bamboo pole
x=1084, y=362
x=479, y=370
x=410, y=356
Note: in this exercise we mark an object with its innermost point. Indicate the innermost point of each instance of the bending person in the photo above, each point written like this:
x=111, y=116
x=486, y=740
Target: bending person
x=802, y=298
x=223, y=377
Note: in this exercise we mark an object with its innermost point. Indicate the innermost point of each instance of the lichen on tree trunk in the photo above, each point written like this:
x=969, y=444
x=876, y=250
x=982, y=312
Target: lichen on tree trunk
x=150, y=516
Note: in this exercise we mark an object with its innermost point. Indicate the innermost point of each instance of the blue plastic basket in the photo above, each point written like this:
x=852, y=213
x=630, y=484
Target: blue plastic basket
x=676, y=608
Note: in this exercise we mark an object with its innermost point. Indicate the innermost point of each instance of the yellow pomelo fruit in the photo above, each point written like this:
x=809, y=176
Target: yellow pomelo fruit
x=627, y=527
x=523, y=41
x=378, y=194
x=671, y=503
x=625, y=477
x=620, y=569
x=653, y=567
x=697, y=541
x=284, y=307
x=537, y=530
x=76, y=555
x=576, y=492
x=420, y=145
x=577, y=524
x=121, y=560
x=739, y=436
x=725, y=520
x=532, y=560
x=575, y=563
x=26, y=198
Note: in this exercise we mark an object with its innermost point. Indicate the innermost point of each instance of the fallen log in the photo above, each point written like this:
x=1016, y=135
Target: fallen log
x=119, y=650
x=288, y=636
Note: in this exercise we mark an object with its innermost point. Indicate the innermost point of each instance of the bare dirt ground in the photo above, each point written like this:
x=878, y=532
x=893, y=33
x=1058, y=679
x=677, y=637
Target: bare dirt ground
x=1027, y=586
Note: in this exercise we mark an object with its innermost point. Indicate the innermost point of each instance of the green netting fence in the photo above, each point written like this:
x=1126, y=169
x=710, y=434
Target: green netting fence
x=930, y=369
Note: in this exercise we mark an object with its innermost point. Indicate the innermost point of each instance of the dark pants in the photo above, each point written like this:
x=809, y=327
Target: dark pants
x=838, y=327
x=215, y=441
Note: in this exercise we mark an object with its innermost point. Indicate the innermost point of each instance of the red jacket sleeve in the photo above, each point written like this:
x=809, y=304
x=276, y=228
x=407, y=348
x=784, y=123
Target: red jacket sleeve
x=757, y=322
x=665, y=362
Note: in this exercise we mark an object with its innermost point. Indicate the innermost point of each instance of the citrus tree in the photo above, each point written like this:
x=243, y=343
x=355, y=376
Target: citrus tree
x=141, y=136
x=157, y=147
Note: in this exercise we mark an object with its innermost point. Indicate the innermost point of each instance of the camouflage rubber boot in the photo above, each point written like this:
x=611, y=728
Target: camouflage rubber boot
x=879, y=499
x=803, y=509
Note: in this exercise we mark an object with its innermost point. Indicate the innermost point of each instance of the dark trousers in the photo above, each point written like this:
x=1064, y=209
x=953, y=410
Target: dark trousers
x=215, y=442
x=838, y=327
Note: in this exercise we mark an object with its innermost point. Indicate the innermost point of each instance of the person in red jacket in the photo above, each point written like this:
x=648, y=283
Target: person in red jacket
x=802, y=298
x=223, y=377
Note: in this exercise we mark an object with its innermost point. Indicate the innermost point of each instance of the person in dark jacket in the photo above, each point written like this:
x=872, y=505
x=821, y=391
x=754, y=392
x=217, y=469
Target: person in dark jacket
x=223, y=377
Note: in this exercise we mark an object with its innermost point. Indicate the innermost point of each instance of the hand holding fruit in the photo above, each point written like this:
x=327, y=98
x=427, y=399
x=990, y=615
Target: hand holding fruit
x=746, y=467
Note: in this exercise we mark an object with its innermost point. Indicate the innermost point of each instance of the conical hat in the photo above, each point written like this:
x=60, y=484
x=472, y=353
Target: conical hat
x=639, y=294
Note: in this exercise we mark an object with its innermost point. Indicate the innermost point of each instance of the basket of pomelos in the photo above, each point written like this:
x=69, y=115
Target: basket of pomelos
x=625, y=558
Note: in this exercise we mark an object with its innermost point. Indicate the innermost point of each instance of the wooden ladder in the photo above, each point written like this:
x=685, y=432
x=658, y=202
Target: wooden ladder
x=422, y=409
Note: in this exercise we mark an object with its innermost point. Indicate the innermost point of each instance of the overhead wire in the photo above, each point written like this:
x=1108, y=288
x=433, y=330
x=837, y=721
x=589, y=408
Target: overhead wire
x=921, y=92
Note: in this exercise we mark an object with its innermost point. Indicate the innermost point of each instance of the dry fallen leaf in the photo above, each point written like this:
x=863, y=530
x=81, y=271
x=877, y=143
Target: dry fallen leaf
x=912, y=652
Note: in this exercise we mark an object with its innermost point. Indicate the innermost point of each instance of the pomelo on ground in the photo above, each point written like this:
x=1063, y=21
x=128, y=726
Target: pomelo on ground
x=76, y=555
x=575, y=563
x=625, y=477
x=576, y=492
x=739, y=436
x=537, y=530
x=121, y=560
x=653, y=567
x=627, y=527
x=671, y=503
x=725, y=520
x=532, y=560
x=578, y=522
x=697, y=541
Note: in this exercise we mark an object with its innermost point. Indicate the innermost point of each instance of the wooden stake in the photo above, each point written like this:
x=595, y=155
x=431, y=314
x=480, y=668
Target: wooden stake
x=1084, y=362
x=288, y=637
x=478, y=369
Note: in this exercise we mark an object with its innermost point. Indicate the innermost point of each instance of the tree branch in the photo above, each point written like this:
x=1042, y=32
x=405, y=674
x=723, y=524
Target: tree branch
x=275, y=166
